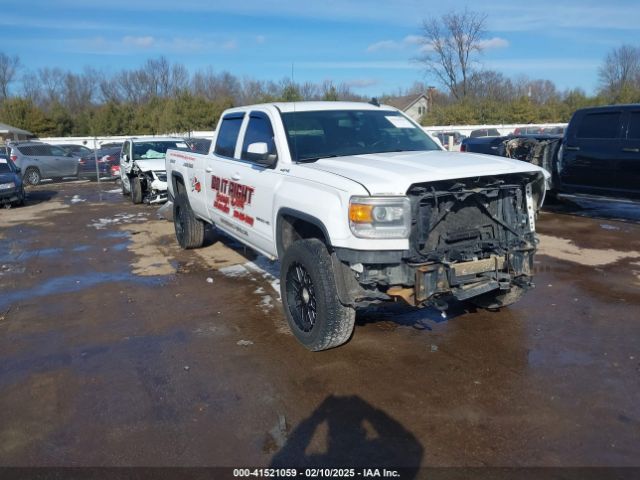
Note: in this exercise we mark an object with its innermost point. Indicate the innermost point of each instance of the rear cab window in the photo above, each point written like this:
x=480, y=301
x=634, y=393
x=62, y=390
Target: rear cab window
x=228, y=134
x=600, y=125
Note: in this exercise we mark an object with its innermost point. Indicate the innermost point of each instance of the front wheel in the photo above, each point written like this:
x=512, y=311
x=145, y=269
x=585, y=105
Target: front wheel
x=189, y=229
x=310, y=297
x=136, y=190
x=499, y=298
x=32, y=176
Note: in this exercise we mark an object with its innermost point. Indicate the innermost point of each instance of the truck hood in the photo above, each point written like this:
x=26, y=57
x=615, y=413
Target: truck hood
x=393, y=173
x=148, y=164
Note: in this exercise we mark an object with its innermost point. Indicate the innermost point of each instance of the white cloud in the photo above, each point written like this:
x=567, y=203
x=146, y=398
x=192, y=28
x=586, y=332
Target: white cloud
x=537, y=65
x=495, y=42
x=383, y=45
x=229, y=45
x=361, y=82
x=261, y=39
x=140, y=42
x=413, y=40
x=376, y=65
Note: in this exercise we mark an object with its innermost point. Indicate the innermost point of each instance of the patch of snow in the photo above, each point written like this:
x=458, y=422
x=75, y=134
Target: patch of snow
x=234, y=271
x=120, y=218
x=77, y=199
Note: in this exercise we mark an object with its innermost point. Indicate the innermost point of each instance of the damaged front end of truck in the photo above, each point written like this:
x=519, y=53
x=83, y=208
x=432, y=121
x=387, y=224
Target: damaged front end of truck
x=471, y=239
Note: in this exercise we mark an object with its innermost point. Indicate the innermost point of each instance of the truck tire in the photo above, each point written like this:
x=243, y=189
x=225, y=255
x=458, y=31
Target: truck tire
x=310, y=297
x=498, y=298
x=32, y=176
x=189, y=229
x=136, y=190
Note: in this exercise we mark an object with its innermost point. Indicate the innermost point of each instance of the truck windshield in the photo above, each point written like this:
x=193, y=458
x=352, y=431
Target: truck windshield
x=335, y=133
x=146, y=150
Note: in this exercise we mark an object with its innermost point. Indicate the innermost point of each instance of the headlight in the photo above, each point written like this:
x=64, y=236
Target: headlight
x=380, y=217
x=6, y=186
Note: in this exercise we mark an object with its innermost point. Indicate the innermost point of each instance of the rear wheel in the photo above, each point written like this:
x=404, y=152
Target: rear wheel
x=499, y=298
x=32, y=176
x=189, y=228
x=310, y=297
x=136, y=190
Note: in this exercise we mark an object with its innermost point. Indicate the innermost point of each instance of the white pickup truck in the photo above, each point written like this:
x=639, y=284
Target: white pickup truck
x=360, y=206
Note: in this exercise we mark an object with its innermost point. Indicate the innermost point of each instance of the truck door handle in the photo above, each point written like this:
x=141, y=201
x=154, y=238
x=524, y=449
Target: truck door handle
x=235, y=176
x=572, y=148
x=208, y=169
x=627, y=149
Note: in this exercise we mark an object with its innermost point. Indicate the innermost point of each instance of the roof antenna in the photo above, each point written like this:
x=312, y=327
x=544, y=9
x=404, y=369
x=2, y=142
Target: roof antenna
x=295, y=127
x=374, y=102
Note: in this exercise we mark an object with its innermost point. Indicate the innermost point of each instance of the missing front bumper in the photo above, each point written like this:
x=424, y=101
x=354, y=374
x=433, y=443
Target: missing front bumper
x=466, y=280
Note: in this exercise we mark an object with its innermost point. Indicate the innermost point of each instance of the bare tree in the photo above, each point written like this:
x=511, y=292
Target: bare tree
x=620, y=71
x=8, y=69
x=490, y=85
x=450, y=44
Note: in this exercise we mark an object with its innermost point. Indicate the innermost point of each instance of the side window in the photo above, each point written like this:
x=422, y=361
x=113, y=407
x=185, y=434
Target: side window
x=228, y=135
x=56, y=152
x=634, y=126
x=599, y=125
x=259, y=130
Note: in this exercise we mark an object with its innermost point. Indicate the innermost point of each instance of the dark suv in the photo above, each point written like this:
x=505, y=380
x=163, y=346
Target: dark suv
x=600, y=153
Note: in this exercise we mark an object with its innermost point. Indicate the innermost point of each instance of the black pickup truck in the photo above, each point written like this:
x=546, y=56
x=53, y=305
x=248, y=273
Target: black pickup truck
x=599, y=153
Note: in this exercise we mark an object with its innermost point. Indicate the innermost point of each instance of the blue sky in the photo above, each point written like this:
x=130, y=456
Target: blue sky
x=368, y=44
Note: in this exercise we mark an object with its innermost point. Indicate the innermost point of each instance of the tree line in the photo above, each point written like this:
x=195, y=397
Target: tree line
x=158, y=97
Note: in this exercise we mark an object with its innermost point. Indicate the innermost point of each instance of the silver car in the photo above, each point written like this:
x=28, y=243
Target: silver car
x=40, y=160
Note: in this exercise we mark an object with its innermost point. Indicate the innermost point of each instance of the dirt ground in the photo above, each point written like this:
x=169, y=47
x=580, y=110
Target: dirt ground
x=118, y=348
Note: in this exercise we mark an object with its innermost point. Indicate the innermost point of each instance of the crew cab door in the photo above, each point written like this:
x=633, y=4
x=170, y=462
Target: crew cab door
x=591, y=151
x=629, y=165
x=243, y=186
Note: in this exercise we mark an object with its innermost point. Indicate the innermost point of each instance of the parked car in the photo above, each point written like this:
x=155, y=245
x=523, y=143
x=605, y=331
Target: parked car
x=485, y=132
x=39, y=160
x=528, y=131
x=554, y=130
x=76, y=150
x=198, y=145
x=111, y=144
x=600, y=153
x=142, y=167
x=108, y=163
x=444, y=138
x=11, y=186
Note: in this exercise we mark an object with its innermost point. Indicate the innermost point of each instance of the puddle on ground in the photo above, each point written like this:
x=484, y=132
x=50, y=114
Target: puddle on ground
x=15, y=255
x=73, y=283
x=565, y=249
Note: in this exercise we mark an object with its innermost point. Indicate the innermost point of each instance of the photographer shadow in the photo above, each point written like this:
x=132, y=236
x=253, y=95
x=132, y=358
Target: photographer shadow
x=349, y=432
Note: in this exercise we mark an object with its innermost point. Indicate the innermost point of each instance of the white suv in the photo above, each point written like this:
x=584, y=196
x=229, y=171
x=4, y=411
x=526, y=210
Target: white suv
x=142, y=169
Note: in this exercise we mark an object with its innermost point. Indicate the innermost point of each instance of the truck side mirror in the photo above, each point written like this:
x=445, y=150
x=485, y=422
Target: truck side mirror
x=259, y=153
x=258, y=148
x=124, y=158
